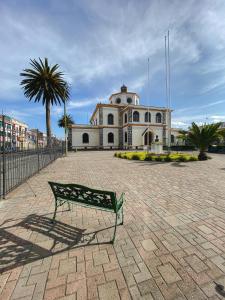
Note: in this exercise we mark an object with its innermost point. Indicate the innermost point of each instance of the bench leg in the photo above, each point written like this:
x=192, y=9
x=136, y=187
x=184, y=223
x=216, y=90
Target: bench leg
x=55, y=211
x=122, y=215
x=114, y=234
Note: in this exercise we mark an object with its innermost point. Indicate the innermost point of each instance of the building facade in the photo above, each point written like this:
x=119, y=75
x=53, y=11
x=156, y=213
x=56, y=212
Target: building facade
x=122, y=124
x=18, y=136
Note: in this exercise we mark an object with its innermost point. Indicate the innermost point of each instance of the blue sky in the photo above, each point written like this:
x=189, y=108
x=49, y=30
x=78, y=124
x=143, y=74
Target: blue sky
x=102, y=44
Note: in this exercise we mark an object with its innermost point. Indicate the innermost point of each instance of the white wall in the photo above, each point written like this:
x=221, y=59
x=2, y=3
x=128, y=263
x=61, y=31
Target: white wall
x=77, y=137
x=110, y=110
x=115, y=131
x=142, y=115
x=138, y=139
x=124, y=96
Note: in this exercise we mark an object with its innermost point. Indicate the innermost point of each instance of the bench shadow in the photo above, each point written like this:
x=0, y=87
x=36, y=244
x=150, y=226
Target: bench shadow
x=219, y=289
x=16, y=251
x=178, y=164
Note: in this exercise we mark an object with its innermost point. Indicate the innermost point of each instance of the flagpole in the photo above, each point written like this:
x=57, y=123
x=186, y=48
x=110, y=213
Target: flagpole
x=169, y=94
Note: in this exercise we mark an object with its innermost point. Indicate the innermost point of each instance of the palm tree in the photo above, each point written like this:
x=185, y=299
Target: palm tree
x=203, y=136
x=183, y=135
x=45, y=83
x=68, y=119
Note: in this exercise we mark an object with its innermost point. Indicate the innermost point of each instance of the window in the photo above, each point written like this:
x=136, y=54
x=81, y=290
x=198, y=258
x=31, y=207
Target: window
x=110, y=137
x=110, y=119
x=172, y=138
x=125, y=118
x=158, y=118
x=136, y=116
x=125, y=137
x=118, y=100
x=129, y=100
x=147, y=117
x=85, y=138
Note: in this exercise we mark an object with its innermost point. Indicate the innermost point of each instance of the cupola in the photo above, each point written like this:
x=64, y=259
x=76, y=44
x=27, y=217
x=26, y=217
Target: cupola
x=123, y=89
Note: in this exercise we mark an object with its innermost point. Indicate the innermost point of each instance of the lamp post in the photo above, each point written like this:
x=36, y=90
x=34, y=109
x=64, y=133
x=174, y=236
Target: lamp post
x=65, y=128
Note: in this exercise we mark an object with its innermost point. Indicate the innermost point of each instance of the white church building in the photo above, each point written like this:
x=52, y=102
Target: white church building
x=123, y=123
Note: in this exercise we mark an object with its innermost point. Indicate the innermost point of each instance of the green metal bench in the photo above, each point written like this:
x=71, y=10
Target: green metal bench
x=85, y=196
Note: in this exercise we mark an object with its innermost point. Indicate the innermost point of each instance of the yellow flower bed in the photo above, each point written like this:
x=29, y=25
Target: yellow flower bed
x=144, y=156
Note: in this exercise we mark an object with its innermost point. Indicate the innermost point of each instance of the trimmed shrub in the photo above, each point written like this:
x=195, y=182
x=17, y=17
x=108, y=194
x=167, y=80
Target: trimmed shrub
x=193, y=158
x=143, y=156
x=182, y=158
x=168, y=158
x=148, y=157
x=159, y=158
x=135, y=157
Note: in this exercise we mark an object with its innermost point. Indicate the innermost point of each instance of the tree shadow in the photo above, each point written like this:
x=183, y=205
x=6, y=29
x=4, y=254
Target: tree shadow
x=56, y=237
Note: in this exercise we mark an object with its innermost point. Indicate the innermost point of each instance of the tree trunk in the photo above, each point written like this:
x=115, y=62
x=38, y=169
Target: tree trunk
x=48, y=123
x=202, y=155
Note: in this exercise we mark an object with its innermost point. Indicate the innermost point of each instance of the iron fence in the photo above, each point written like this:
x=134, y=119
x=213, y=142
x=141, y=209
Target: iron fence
x=17, y=165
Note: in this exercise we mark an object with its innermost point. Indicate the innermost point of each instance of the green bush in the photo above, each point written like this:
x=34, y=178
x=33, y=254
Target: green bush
x=167, y=158
x=135, y=157
x=182, y=158
x=192, y=158
x=159, y=158
x=148, y=157
x=115, y=154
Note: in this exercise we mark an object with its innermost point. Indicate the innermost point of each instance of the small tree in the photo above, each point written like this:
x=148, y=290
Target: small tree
x=202, y=136
x=68, y=120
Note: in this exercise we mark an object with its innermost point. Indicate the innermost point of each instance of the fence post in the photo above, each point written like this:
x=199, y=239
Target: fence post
x=3, y=158
x=38, y=152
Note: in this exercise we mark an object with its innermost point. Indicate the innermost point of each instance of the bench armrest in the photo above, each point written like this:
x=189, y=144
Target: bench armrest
x=120, y=201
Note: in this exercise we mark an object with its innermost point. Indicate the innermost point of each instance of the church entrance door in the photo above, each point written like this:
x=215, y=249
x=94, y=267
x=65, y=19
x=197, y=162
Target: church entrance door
x=148, y=138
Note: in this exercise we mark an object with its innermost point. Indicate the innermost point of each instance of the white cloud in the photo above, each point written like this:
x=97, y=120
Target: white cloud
x=112, y=40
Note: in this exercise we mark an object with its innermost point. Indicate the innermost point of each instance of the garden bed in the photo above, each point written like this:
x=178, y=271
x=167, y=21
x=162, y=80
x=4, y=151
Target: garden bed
x=144, y=156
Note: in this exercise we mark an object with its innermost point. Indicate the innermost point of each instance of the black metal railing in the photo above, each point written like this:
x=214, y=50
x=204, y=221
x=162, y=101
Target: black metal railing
x=16, y=166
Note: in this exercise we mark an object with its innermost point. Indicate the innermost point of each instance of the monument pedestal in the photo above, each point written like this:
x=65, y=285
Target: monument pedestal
x=157, y=148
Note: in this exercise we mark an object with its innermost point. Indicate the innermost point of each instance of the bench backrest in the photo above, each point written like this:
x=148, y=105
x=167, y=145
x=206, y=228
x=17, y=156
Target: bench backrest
x=84, y=195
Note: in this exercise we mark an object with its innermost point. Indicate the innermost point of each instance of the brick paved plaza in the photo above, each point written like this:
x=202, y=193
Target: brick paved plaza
x=172, y=245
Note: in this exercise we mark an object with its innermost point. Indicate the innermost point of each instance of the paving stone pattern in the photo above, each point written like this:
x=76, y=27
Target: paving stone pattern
x=172, y=244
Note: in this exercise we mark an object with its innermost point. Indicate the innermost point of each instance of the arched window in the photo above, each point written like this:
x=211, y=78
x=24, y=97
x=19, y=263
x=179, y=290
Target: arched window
x=129, y=100
x=147, y=117
x=85, y=138
x=172, y=138
x=110, y=119
x=110, y=137
x=125, y=118
x=136, y=116
x=125, y=137
x=118, y=100
x=158, y=118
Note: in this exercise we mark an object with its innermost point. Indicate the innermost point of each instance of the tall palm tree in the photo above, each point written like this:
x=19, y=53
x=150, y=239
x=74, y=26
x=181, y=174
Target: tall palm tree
x=203, y=136
x=67, y=120
x=45, y=83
